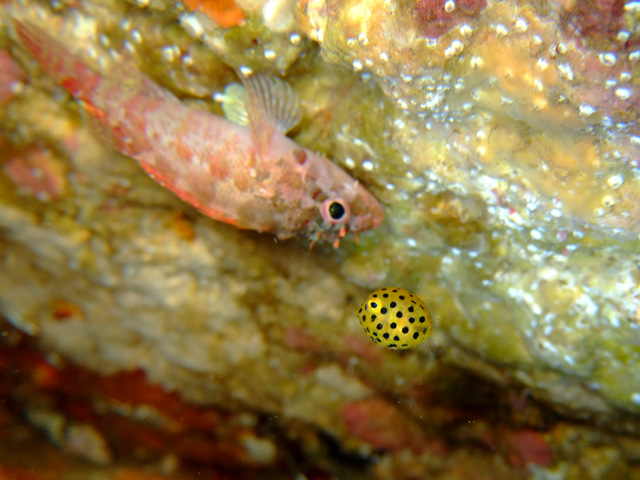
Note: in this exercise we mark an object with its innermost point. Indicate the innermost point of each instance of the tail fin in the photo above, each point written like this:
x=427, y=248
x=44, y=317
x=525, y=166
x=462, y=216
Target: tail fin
x=69, y=71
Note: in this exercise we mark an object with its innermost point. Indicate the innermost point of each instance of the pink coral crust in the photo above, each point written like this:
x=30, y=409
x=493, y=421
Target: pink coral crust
x=11, y=74
x=596, y=19
x=435, y=21
x=380, y=424
x=38, y=173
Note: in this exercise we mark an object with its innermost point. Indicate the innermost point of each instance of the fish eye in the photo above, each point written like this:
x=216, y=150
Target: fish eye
x=374, y=306
x=334, y=210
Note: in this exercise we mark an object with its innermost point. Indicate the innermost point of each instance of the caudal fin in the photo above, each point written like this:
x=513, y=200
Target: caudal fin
x=69, y=71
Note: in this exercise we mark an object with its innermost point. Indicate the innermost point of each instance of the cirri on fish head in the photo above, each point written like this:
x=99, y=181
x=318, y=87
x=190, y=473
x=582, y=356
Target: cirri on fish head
x=242, y=170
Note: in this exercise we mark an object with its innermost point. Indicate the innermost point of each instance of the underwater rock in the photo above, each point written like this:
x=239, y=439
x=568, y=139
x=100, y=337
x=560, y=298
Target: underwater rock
x=502, y=140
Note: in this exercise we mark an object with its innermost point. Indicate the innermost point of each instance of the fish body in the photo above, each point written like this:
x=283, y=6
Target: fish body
x=251, y=176
x=395, y=318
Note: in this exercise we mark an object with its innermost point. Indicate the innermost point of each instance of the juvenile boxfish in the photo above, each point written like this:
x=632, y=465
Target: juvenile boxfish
x=247, y=173
x=395, y=318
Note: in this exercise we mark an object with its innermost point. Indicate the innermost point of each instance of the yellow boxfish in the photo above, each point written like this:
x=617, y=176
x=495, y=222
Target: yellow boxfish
x=252, y=176
x=395, y=318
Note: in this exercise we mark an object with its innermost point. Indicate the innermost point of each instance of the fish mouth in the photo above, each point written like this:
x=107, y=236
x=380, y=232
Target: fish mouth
x=368, y=216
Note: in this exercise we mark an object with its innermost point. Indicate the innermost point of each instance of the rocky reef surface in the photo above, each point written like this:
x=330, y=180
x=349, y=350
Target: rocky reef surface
x=501, y=138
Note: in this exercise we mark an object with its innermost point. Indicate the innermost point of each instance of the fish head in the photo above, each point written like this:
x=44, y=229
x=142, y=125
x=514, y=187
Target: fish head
x=342, y=205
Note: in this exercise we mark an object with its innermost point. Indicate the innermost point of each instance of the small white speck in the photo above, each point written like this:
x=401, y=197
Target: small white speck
x=128, y=46
x=295, y=39
x=623, y=36
x=625, y=77
x=466, y=30
x=168, y=54
x=357, y=65
x=548, y=346
x=390, y=186
x=607, y=59
x=535, y=234
x=191, y=24
x=349, y=163
x=635, y=398
x=135, y=35
x=586, y=110
x=384, y=56
x=608, y=201
x=245, y=71
x=455, y=48
x=542, y=64
x=411, y=242
x=566, y=71
x=569, y=360
x=362, y=38
x=634, y=56
x=623, y=93
x=521, y=25
x=537, y=85
x=635, y=139
x=615, y=181
x=556, y=213
x=449, y=6
x=476, y=61
x=547, y=273
x=367, y=165
x=269, y=55
x=501, y=30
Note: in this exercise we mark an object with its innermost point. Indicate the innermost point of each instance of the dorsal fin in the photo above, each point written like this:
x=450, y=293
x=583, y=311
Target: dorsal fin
x=271, y=102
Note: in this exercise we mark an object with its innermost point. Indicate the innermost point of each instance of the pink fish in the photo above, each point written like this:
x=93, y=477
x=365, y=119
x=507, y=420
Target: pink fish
x=251, y=176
